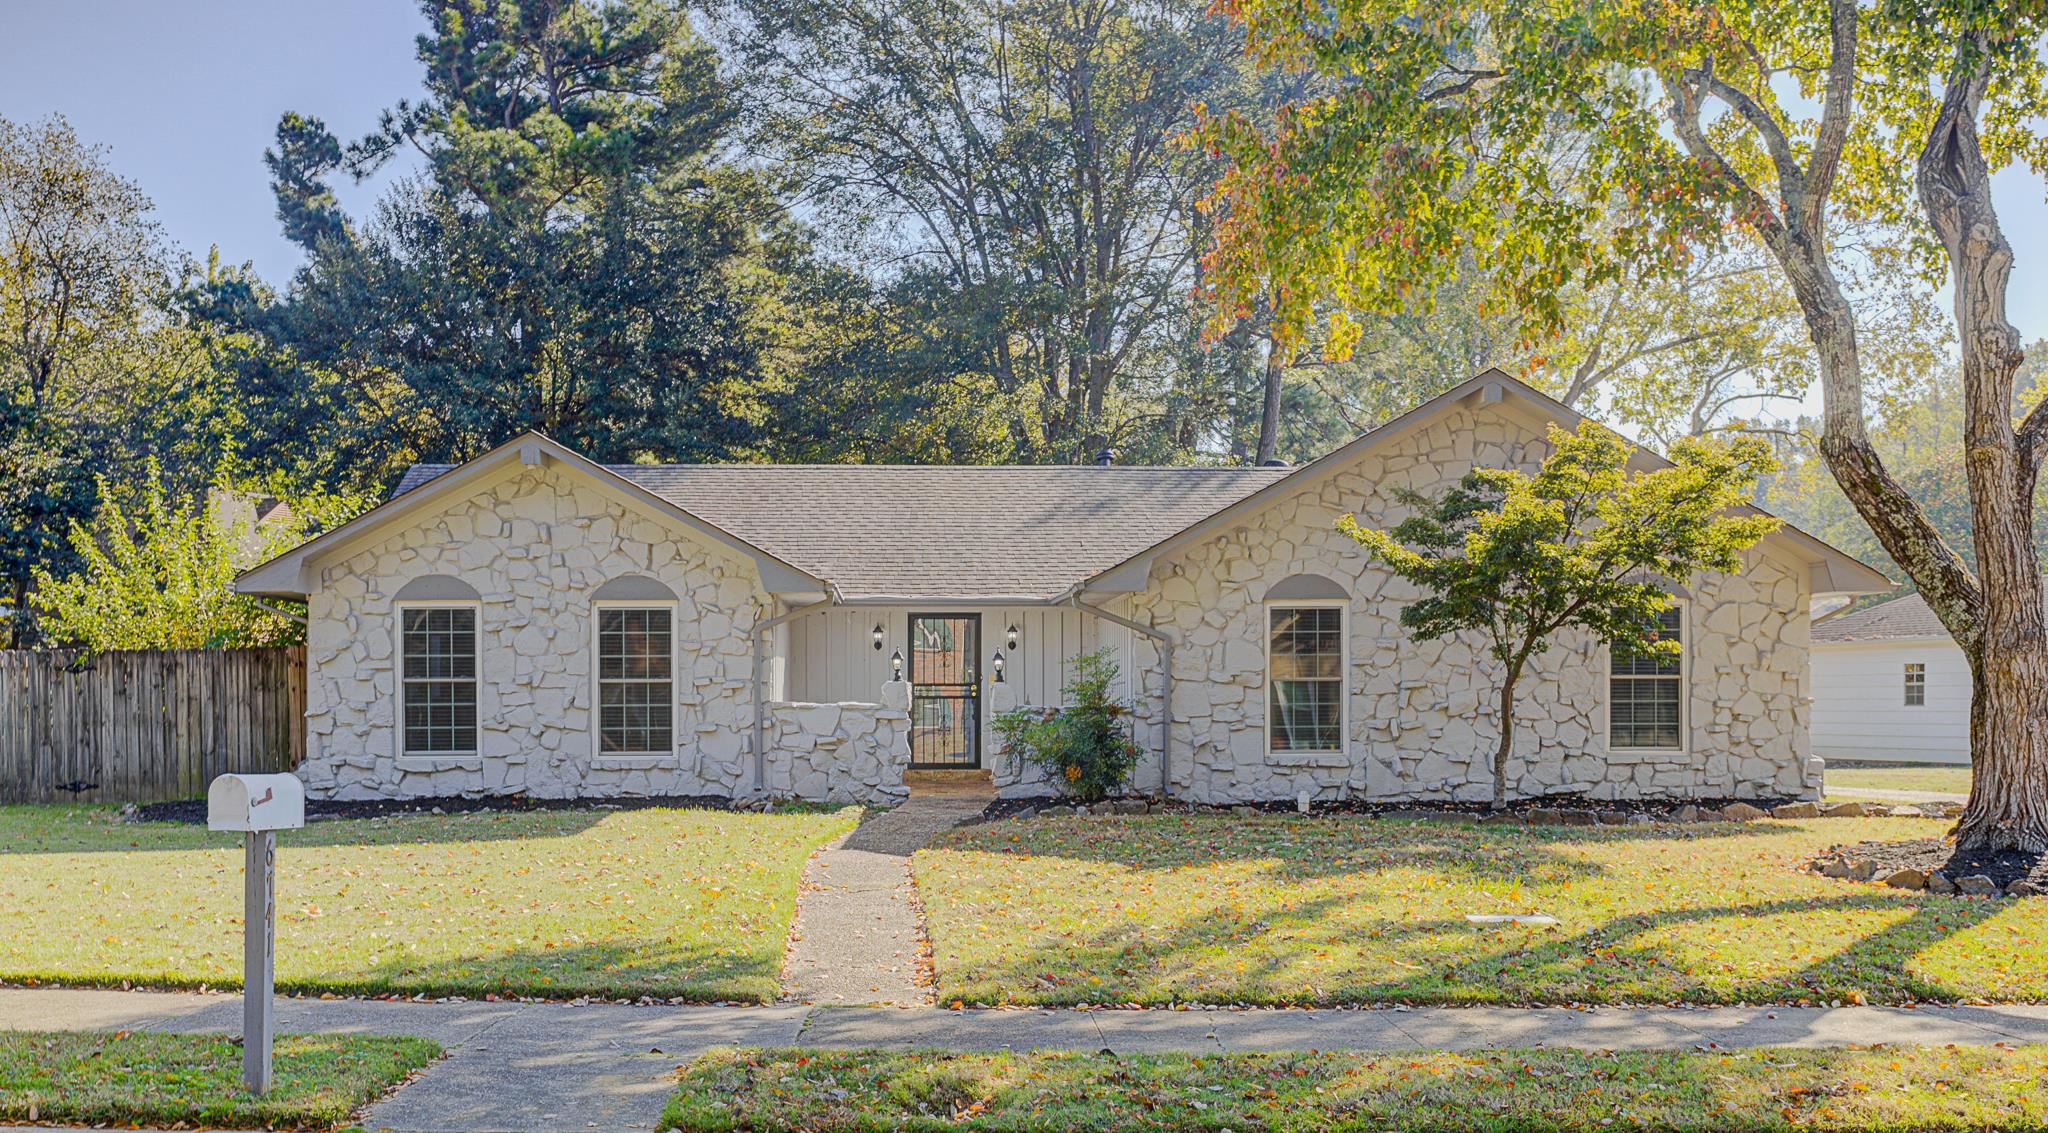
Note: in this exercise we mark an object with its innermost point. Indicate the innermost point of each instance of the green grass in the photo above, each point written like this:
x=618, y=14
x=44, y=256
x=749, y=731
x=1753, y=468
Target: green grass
x=672, y=903
x=1556, y=1091
x=81, y=1078
x=1286, y=910
x=1944, y=780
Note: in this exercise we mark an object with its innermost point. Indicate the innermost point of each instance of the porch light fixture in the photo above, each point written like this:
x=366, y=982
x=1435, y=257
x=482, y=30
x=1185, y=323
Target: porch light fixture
x=896, y=664
x=996, y=663
x=878, y=637
x=1010, y=639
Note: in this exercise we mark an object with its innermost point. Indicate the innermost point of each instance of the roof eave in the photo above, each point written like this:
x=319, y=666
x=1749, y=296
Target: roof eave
x=294, y=574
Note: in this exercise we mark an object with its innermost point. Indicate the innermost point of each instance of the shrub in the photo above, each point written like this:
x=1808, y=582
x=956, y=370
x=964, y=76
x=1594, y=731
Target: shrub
x=1085, y=745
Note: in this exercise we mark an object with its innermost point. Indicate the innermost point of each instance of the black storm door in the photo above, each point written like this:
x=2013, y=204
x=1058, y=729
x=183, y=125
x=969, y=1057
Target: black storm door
x=945, y=691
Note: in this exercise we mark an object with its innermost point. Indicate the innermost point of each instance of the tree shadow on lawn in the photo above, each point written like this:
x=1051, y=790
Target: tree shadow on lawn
x=1204, y=958
x=1316, y=849
x=628, y=969
x=77, y=831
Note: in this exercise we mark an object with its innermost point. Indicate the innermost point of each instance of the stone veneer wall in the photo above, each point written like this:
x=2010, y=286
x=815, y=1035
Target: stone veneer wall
x=1420, y=714
x=843, y=753
x=534, y=546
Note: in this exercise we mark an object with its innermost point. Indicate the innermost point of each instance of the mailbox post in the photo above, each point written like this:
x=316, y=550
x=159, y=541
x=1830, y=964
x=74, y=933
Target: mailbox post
x=258, y=806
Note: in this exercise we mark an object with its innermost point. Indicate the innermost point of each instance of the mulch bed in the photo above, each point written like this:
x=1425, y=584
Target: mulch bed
x=1931, y=855
x=1661, y=810
x=193, y=811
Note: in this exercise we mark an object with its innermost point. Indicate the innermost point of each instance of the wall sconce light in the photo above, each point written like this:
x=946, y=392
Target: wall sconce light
x=996, y=663
x=896, y=665
x=1010, y=638
x=878, y=637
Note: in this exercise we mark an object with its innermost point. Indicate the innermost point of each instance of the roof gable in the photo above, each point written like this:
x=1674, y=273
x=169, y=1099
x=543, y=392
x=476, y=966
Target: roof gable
x=1906, y=618
x=1833, y=570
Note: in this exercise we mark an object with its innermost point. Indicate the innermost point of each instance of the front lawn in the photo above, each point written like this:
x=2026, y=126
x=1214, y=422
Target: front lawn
x=1288, y=910
x=1939, y=780
x=124, y=1079
x=1553, y=1090
x=669, y=903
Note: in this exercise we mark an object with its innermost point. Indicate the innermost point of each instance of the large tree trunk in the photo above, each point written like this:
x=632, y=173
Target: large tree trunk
x=1269, y=408
x=2008, y=806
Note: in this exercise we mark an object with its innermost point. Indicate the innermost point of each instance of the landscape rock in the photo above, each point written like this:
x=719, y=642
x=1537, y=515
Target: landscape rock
x=1741, y=812
x=1907, y=879
x=1939, y=882
x=1845, y=810
x=1546, y=816
x=1686, y=813
x=2023, y=888
x=1577, y=818
x=1612, y=818
x=1127, y=806
x=1796, y=810
x=1977, y=885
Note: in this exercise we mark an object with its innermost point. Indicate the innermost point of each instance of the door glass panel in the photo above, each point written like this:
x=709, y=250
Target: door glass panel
x=945, y=698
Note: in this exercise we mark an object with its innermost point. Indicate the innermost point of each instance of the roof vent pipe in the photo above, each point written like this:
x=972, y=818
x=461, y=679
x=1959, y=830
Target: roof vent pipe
x=1106, y=457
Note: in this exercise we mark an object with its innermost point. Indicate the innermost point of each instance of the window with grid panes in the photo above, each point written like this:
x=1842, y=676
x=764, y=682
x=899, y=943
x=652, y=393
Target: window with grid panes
x=635, y=681
x=1305, y=678
x=1916, y=684
x=1646, y=694
x=437, y=648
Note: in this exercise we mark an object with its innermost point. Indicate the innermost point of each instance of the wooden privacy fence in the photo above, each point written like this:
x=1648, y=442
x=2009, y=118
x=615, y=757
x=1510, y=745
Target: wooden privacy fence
x=147, y=725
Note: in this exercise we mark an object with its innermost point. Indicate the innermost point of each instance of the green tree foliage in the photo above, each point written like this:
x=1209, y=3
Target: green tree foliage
x=99, y=367
x=1085, y=745
x=574, y=257
x=1572, y=145
x=1008, y=175
x=154, y=575
x=1583, y=543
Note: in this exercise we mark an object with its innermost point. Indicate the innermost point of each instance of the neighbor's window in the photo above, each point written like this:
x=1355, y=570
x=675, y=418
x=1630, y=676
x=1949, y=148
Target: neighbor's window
x=439, y=655
x=1916, y=684
x=635, y=682
x=1305, y=678
x=1646, y=693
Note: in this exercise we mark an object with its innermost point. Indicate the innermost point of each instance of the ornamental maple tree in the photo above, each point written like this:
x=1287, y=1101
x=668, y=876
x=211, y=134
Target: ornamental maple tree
x=1561, y=144
x=1584, y=542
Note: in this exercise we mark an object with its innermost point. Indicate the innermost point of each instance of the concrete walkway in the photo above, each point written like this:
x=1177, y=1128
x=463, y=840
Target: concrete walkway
x=859, y=936
x=542, y=1066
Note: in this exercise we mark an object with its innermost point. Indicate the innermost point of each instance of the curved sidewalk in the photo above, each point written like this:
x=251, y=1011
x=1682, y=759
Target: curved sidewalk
x=536, y=1066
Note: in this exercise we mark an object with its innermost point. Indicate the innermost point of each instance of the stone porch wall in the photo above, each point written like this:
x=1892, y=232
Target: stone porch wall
x=846, y=752
x=1420, y=715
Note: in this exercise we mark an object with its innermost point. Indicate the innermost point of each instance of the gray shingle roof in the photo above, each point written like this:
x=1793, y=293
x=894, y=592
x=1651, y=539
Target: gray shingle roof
x=919, y=531
x=1906, y=617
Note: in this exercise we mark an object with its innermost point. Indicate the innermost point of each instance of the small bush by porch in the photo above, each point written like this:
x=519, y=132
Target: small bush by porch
x=1315, y=911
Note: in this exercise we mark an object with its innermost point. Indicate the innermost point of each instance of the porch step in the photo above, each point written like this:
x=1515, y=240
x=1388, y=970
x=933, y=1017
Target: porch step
x=962, y=783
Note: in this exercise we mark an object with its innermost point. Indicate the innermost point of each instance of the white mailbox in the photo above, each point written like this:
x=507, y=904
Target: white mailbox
x=256, y=802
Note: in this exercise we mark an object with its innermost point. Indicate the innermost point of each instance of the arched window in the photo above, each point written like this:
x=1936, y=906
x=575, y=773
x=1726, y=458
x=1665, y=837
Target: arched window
x=1305, y=663
x=437, y=651
x=635, y=665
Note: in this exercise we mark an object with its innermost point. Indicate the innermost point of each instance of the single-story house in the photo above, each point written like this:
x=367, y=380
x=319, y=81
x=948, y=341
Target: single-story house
x=530, y=621
x=1890, y=685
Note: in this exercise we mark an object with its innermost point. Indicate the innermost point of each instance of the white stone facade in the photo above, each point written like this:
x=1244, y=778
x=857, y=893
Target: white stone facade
x=534, y=546
x=1420, y=716
x=536, y=543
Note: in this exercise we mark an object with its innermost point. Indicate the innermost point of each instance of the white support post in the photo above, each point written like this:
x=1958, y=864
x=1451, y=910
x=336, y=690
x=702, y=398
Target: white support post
x=259, y=957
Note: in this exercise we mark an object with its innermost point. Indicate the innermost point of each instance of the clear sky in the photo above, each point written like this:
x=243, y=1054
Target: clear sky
x=187, y=95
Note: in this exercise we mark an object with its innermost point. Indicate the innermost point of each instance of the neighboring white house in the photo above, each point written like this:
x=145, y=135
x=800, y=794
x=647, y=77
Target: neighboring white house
x=533, y=622
x=1889, y=684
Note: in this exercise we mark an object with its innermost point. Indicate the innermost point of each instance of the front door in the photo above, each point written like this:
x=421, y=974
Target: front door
x=945, y=690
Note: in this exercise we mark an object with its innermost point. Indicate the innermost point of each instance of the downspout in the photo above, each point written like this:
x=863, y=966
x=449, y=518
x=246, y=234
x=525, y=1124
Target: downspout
x=760, y=701
x=1165, y=692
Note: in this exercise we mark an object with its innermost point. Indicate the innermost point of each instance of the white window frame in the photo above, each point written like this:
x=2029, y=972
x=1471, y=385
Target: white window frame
x=476, y=681
x=1684, y=679
x=1343, y=608
x=1914, y=669
x=625, y=759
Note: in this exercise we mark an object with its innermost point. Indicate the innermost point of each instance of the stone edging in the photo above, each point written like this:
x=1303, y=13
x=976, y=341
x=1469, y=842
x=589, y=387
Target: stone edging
x=1842, y=865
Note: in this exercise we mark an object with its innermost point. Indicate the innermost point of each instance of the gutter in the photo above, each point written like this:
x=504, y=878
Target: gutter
x=1165, y=692
x=760, y=702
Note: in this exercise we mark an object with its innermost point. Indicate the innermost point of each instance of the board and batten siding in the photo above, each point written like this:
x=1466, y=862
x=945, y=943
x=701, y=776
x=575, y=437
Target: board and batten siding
x=1859, y=702
x=832, y=656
